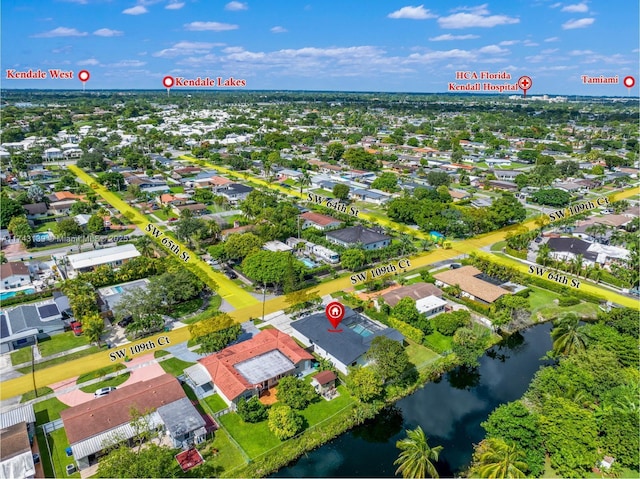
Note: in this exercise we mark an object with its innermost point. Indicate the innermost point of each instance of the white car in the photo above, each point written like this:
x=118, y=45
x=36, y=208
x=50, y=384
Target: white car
x=103, y=391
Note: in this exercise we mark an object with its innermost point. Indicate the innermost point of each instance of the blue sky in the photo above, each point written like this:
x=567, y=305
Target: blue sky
x=389, y=45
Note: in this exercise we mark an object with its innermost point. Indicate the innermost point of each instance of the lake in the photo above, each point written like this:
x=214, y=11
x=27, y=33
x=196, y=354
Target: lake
x=450, y=412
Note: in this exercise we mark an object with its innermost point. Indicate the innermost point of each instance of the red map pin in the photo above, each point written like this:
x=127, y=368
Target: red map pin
x=524, y=83
x=168, y=82
x=335, y=312
x=83, y=76
x=629, y=81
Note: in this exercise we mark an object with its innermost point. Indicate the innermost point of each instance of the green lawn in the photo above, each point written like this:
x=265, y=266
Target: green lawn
x=540, y=298
x=115, y=381
x=541, y=301
x=177, y=189
x=174, y=366
x=255, y=439
x=31, y=395
x=61, y=342
x=215, y=402
x=160, y=352
x=160, y=214
x=44, y=227
x=98, y=373
x=62, y=359
x=498, y=246
x=49, y=410
x=418, y=354
x=229, y=456
x=21, y=355
x=439, y=341
x=322, y=409
x=214, y=306
x=187, y=307
x=58, y=443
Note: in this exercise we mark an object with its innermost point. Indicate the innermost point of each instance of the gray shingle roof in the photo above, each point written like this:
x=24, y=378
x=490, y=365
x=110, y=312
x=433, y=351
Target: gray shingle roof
x=358, y=234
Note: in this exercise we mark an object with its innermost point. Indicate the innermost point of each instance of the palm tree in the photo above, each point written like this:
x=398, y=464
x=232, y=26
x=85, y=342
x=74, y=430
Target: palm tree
x=406, y=244
x=544, y=252
x=425, y=244
x=144, y=245
x=417, y=458
x=577, y=264
x=494, y=458
x=305, y=179
x=568, y=337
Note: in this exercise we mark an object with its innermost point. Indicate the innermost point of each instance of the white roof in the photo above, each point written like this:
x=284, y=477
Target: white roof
x=103, y=256
x=430, y=302
x=198, y=374
x=276, y=246
x=20, y=465
x=14, y=416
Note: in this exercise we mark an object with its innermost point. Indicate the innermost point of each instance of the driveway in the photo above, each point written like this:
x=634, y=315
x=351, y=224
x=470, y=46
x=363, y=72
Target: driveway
x=180, y=351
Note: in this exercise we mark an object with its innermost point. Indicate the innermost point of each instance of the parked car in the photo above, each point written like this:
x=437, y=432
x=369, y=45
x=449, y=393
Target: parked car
x=76, y=326
x=455, y=266
x=123, y=323
x=103, y=391
x=172, y=219
x=229, y=273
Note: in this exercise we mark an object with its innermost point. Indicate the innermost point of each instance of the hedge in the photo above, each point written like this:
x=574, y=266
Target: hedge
x=23, y=298
x=563, y=290
x=407, y=330
x=472, y=305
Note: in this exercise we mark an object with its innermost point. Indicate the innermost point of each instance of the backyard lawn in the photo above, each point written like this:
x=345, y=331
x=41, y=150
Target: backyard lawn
x=215, y=402
x=439, y=341
x=229, y=456
x=255, y=439
x=49, y=410
x=174, y=366
x=321, y=410
x=418, y=354
x=58, y=443
x=543, y=306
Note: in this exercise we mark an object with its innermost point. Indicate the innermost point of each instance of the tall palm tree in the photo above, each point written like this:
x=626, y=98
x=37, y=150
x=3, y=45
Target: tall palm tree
x=568, y=337
x=417, y=457
x=494, y=458
x=144, y=245
x=544, y=253
x=425, y=244
x=577, y=263
x=305, y=179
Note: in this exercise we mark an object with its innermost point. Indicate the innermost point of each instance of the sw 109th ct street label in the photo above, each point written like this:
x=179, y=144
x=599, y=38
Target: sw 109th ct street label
x=138, y=348
x=168, y=243
x=380, y=271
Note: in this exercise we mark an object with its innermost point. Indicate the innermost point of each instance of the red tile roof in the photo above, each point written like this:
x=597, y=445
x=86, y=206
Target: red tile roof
x=324, y=377
x=317, y=218
x=103, y=414
x=221, y=365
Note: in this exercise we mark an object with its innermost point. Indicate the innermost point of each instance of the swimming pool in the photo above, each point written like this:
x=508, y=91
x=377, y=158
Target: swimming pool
x=118, y=289
x=10, y=294
x=308, y=263
x=358, y=328
x=42, y=237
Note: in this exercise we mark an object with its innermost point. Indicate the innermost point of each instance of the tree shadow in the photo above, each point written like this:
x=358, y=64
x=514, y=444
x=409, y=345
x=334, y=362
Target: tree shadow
x=387, y=424
x=464, y=377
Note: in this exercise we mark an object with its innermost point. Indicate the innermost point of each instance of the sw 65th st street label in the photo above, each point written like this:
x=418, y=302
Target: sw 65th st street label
x=170, y=244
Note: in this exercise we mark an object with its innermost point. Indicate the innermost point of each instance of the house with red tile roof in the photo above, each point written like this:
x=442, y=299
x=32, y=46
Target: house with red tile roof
x=249, y=368
x=92, y=425
x=319, y=221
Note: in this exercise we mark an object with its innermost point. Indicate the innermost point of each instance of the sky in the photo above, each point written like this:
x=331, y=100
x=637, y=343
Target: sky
x=346, y=45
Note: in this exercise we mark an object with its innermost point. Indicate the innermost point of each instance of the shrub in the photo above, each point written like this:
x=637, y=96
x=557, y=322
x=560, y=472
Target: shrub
x=284, y=422
x=407, y=330
x=568, y=301
x=252, y=410
x=295, y=393
x=447, y=323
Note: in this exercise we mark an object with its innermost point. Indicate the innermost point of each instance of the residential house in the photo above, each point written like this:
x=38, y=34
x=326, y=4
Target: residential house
x=249, y=368
x=471, y=282
x=459, y=195
x=148, y=185
x=431, y=306
x=224, y=234
x=502, y=185
x=51, y=154
x=110, y=296
x=367, y=237
x=197, y=209
x=415, y=291
x=506, y=175
x=568, y=249
x=14, y=274
x=61, y=208
x=36, y=210
x=344, y=349
x=110, y=418
x=21, y=325
x=16, y=456
x=370, y=196
x=235, y=193
x=115, y=256
x=319, y=221
x=276, y=246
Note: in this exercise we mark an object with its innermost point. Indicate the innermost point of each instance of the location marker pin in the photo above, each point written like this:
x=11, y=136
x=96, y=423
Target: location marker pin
x=168, y=82
x=629, y=82
x=83, y=76
x=524, y=83
x=335, y=312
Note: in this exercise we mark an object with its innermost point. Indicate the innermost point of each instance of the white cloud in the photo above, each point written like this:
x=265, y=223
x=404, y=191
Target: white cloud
x=233, y=50
x=137, y=10
x=581, y=23
x=65, y=49
x=476, y=17
x=529, y=43
x=278, y=29
x=127, y=64
x=412, y=13
x=549, y=51
x=209, y=26
x=580, y=52
x=552, y=39
x=576, y=8
x=506, y=43
x=479, y=10
x=107, y=32
x=88, y=61
x=61, y=32
x=186, y=48
x=440, y=55
x=493, y=50
x=556, y=5
x=175, y=6
x=448, y=36
x=236, y=6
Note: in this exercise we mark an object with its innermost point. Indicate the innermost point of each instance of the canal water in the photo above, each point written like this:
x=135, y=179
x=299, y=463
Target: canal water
x=449, y=411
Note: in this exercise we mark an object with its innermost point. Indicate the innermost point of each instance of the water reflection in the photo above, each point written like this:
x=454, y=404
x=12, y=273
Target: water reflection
x=450, y=412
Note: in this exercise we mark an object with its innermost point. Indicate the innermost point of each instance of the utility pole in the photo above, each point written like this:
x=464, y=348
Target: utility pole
x=264, y=295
